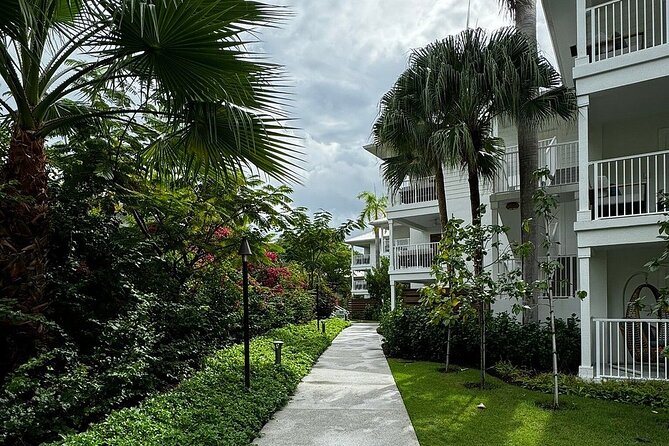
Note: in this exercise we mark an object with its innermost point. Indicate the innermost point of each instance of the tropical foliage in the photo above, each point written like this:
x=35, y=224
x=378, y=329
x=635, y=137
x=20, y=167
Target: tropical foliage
x=198, y=101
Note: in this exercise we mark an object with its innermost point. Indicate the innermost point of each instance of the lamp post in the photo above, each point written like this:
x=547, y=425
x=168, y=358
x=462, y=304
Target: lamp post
x=245, y=252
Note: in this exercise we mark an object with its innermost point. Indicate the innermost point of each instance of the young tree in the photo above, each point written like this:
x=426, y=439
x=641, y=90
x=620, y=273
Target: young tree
x=375, y=208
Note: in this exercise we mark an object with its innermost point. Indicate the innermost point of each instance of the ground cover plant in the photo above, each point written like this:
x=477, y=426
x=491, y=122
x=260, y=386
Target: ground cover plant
x=213, y=408
x=652, y=393
x=443, y=410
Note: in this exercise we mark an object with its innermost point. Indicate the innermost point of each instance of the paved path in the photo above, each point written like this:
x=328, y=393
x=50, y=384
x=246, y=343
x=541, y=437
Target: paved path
x=348, y=399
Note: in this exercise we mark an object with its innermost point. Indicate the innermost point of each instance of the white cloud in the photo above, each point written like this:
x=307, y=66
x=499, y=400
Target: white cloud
x=342, y=56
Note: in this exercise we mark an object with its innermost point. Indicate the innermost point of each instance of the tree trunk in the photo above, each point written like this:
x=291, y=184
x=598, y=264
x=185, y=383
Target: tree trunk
x=475, y=200
x=556, y=389
x=441, y=196
x=23, y=247
x=528, y=151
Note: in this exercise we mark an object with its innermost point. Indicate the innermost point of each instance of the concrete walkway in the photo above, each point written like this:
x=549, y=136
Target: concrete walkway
x=348, y=399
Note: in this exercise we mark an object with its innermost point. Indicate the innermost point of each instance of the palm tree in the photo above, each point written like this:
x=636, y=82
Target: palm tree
x=524, y=13
x=183, y=63
x=375, y=208
x=406, y=126
x=473, y=80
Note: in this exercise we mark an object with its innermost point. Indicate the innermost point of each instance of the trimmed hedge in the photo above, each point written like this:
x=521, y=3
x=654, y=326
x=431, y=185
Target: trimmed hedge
x=645, y=392
x=213, y=408
x=408, y=334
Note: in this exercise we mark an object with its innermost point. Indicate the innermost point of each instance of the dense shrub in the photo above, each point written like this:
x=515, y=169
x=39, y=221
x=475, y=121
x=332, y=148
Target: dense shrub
x=646, y=392
x=408, y=333
x=213, y=408
x=156, y=343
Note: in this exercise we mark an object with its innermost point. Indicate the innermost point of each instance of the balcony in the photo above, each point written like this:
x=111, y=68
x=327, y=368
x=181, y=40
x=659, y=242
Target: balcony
x=564, y=282
x=414, y=257
x=631, y=348
x=412, y=192
x=361, y=260
x=359, y=285
x=619, y=27
x=627, y=186
x=561, y=159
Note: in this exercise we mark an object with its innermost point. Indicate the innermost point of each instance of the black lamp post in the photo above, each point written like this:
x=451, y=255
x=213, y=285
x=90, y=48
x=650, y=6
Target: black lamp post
x=245, y=252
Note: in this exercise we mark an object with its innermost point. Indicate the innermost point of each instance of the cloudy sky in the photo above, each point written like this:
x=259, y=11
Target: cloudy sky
x=342, y=56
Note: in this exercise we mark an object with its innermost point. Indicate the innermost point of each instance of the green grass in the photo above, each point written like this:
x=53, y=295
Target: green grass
x=444, y=412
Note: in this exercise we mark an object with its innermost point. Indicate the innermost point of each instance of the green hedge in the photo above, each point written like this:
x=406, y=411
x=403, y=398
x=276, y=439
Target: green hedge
x=213, y=408
x=409, y=334
x=646, y=392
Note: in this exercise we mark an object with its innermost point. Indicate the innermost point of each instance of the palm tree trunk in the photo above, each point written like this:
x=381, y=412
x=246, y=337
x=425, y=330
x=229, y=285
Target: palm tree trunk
x=23, y=245
x=526, y=22
x=441, y=196
x=475, y=200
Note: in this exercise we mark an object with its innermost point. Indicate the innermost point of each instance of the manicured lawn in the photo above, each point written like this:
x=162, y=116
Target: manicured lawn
x=444, y=412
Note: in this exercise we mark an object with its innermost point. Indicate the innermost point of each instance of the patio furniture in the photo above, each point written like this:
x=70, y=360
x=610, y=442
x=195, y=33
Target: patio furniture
x=643, y=340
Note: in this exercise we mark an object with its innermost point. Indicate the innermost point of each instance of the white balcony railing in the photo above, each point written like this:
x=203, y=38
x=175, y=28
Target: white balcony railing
x=561, y=159
x=631, y=348
x=362, y=260
x=415, y=256
x=618, y=27
x=631, y=185
x=421, y=190
x=565, y=279
x=359, y=285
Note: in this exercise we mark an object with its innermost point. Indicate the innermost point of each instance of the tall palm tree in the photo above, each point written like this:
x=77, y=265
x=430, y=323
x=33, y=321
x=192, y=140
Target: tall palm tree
x=406, y=126
x=375, y=208
x=524, y=13
x=184, y=62
x=474, y=79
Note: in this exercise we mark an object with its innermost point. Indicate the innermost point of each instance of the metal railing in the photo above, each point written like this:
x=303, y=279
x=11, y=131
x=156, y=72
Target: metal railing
x=621, y=27
x=362, y=260
x=359, y=285
x=421, y=190
x=561, y=159
x=415, y=256
x=631, y=348
x=630, y=185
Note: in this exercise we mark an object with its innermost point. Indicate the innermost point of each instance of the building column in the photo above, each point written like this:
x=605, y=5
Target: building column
x=581, y=30
x=391, y=239
x=584, y=213
x=585, y=370
x=593, y=279
x=393, y=297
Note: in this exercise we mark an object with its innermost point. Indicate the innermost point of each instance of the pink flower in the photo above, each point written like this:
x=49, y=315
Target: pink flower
x=221, y=233
x=272, y=256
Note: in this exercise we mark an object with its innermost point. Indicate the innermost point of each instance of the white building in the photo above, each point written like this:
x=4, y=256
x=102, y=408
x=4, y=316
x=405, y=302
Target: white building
x=363, y=259
x=610, y=169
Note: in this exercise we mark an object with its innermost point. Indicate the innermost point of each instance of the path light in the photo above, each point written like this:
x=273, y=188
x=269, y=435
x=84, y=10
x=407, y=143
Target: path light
x=245, y=252
x=277, y=352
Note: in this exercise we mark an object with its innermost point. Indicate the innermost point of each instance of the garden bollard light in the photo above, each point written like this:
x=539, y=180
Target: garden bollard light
x=323, y=327
x=278, y=345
